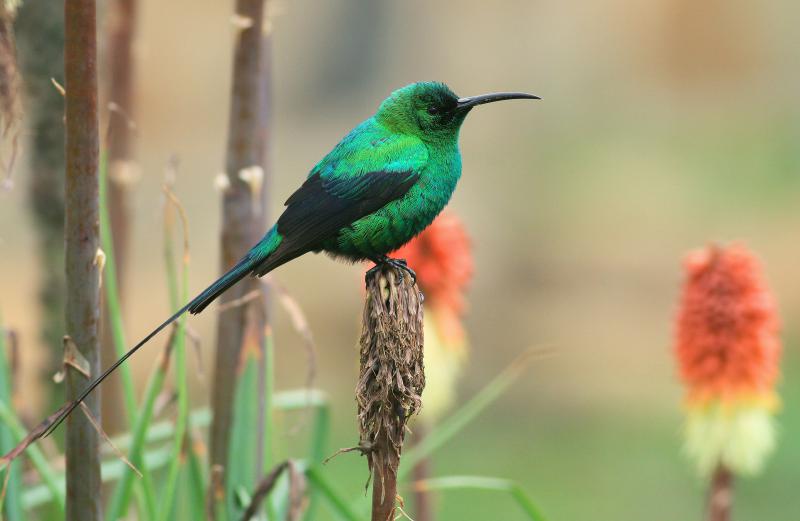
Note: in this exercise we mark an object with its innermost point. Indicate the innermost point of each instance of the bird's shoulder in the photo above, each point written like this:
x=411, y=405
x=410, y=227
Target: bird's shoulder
x=371, y=147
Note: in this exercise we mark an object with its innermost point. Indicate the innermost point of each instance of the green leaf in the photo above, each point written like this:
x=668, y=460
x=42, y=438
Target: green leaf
x=242, y=471
x=121, y=496
x=338, y=504
x=181, y=383
x=111, y=470
x=51, y=480
x=486, y=483
x=319, y=438
x=11, y=507
x=447, y=429
x=112, y=291
x=455, y=423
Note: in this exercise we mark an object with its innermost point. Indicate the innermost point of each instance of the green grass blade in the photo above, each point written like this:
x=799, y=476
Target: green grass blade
x=110, y=284
x=451, y=426
x=338, y=504
x=112, y=470
x=317, y=453
x=11, y=505
x=242, y=471
x=200, y=418
x=490, y=484
x=181, y=382
x=196, y=479
x=267, y=393
x=266, y=407
x=295, y=399
x=121, y=496
x=51, y=480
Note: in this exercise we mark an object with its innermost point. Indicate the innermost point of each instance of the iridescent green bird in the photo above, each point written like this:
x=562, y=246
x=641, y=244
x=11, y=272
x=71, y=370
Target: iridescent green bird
x=378, y=188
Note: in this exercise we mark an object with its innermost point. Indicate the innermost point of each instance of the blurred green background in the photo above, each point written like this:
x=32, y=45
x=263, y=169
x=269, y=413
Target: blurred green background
x=664, y=125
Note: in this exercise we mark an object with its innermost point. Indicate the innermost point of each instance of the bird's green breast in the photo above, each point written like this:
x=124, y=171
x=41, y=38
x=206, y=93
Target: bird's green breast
x=400, y=220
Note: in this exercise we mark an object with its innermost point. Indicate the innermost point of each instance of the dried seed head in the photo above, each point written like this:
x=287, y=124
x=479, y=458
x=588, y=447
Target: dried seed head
x=392, y=375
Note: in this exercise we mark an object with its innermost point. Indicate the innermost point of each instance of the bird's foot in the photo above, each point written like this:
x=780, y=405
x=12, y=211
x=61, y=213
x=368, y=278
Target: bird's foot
x=399, y=264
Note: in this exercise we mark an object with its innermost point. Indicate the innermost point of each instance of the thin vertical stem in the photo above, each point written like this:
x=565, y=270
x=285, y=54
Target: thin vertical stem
x=181, y=382
x=82, y=241
x=720, y=494
x=114, y=327
x=243, y=215
x=266, y=384
x=423, y=506
x=384, y=480
x=11, y=506
x=122, y=26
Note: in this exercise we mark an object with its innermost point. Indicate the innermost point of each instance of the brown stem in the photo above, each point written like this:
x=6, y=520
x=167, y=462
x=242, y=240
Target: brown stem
x=82, y=241
x=121, y=29
x=384, y=480
x=391, y=378
x=120, y=143
x=243, y=215
x=720, y=494
x=423, y=506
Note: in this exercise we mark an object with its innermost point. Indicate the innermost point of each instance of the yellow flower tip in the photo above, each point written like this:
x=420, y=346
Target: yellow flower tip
x=737, y=436
x=728, y=352
x=444, y=365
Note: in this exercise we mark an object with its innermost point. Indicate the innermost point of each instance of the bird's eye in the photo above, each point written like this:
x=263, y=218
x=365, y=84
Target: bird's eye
x=433, y=110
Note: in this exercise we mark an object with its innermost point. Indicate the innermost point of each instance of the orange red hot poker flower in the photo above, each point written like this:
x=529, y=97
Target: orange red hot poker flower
x=727, y=336
x=728, y=350
x=441, y=256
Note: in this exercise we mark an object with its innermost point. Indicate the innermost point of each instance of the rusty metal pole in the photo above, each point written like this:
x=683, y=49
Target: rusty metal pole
x=82, y=267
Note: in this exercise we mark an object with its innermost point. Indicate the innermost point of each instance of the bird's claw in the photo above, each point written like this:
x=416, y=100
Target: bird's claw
x=399, y=264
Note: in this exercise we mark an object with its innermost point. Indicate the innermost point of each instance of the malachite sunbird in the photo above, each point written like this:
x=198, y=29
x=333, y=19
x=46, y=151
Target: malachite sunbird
x=378, y=188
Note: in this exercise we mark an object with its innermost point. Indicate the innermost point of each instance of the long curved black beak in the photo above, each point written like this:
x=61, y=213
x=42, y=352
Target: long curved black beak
x=472, y=101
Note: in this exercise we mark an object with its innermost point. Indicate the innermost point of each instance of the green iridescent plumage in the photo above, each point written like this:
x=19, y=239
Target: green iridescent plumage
x=378, y=188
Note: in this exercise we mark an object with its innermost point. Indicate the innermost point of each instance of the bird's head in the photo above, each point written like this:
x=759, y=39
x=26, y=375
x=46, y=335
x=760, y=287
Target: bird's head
x=432, y=111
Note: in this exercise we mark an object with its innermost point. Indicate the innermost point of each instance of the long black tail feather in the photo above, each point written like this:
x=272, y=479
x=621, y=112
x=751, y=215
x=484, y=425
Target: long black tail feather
x=97, y=381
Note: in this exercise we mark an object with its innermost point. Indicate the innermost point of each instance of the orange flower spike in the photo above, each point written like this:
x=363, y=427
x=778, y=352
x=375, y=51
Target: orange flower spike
x=442, y=258
x=728, y=353
x=727, y=335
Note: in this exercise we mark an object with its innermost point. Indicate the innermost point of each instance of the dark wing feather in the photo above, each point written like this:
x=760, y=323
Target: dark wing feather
x=323, y=206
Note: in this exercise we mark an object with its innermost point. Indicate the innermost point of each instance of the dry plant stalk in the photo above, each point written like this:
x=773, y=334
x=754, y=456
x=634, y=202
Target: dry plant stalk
x=82, y=218
x=119, y=84
x=10, y=109
x=297, y=487
x=391, y=378
x=243, y=216
x=720, y=495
